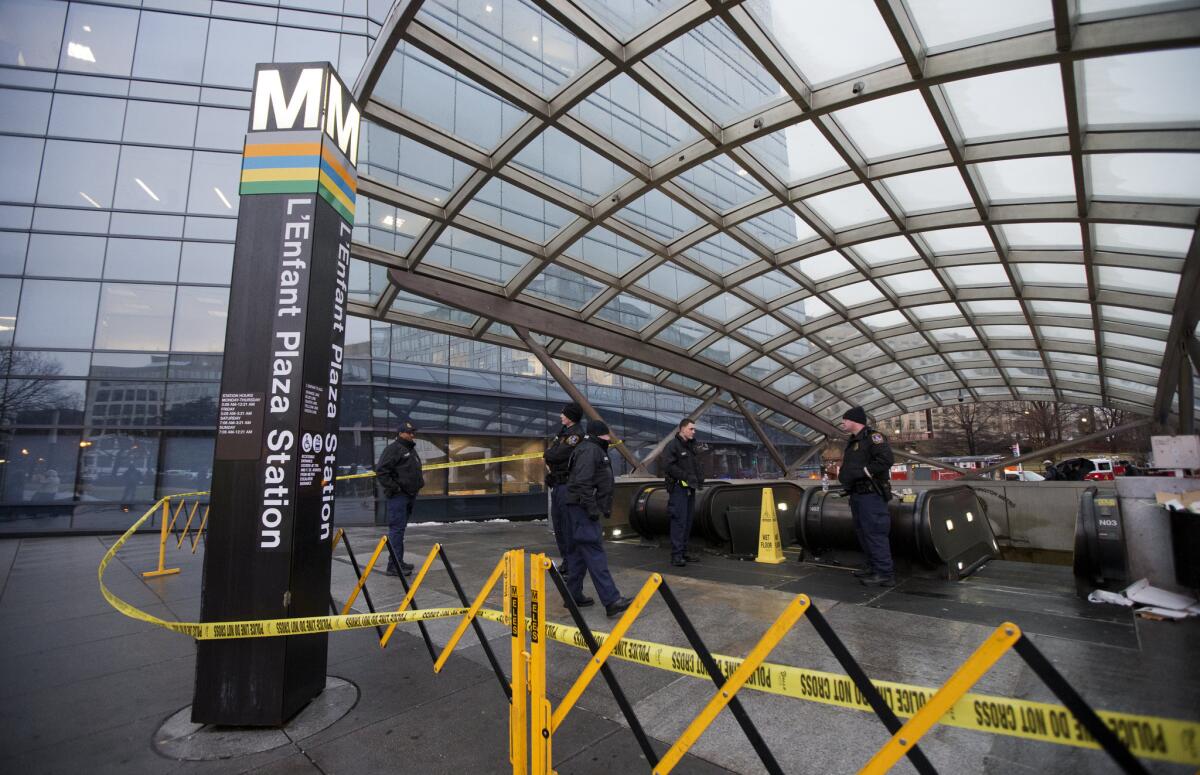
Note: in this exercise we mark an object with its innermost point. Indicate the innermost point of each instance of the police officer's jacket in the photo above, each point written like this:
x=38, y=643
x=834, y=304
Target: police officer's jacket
x=558, y=453
x=590, y=481
x=399, y=469
x=681, y=463
x=868, y=457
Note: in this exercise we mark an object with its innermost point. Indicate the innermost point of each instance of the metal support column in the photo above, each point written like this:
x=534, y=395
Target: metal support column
x=644, y=466
x=568, y=386
x=762, y=434
x=812, y=452
x=1187, y=405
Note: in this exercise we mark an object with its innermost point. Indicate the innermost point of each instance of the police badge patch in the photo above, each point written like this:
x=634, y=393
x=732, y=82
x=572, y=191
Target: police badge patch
x=573, y=439
x=877, y=438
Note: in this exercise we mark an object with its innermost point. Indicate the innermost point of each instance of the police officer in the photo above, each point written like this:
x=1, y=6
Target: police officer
x=399, y=473
x=558, y=462
x=589, y=497
x=684, y=475
x=1051, y=474
x=865, y=473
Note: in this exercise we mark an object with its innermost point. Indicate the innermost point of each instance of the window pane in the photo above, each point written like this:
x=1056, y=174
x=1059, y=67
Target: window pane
x=242, y=46
x=41, y=466
x=31, y=32
x=118, y=467
x=186, y=464
x=191, y=403
x=206, y=262
x=200, y=319
x=135, y=317
x=57, y=314
x=93, y=118
x=99, y=39
x=170, y=47
x=113, y=403
x=19, y=158
x=23, y=111
x=161, y=123
x=478, y=479
x=57, y=255
x=153, y=179
x=214, y=184
x=78, y=173
x=222, y=128
x=142, y=259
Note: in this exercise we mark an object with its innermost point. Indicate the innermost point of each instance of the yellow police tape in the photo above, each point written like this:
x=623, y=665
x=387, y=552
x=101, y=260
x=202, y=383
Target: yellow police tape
x=263, y=628
x=1172, y=740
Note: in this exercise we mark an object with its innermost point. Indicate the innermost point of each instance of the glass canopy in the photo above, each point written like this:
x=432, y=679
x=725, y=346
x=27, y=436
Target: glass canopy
x=898, y=203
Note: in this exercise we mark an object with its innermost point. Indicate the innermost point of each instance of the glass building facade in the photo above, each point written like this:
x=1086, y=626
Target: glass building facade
x=121, y=127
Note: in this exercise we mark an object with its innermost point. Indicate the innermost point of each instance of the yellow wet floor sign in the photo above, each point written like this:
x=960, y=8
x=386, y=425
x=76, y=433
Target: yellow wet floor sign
x=770, y=548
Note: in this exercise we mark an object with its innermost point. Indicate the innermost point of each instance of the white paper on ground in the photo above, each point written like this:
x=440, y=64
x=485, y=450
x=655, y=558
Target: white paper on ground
x=1166, y=613
x=1141, y=592
x=1104, y=596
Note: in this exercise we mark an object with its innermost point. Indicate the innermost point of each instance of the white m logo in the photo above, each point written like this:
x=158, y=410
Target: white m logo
x=269, y=99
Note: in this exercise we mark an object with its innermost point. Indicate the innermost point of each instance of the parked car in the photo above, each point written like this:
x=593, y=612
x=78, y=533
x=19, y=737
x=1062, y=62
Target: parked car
x=1023, y=476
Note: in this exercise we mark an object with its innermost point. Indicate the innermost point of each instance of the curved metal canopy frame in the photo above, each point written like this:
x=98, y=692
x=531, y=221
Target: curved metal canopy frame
x=882, y=341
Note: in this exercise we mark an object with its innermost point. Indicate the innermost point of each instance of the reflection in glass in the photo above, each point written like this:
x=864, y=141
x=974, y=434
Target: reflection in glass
x=135, y=317
x=39, y=467
x=31, y=32
x=118, y=466
x=200, y=315
x=77, y=174
x=57, y=314
x=19, y=157
x=99, y=39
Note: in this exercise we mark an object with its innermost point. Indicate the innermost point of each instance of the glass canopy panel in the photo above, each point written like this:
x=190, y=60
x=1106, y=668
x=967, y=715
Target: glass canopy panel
x=797, y=350
x=936, y=311
x=797, y=153
x=1137, y=316
x=1067, y=333
x=964, y=356
x=1120, y=278
x=408, y=165
x=1061, y=308
x=1135, y=342
x=956, y=334
x=778, y=229
x=1052, y=274
x=1153, y=176
x=475, y=256
x=720, y=183
x=1042, y=235
x=626, y=18
x=388, y=227
x=883, y=371
x=1007, y=332
x=885, y=320
x=724, y=351
x=659, y=215
x=998, y=307
x=885, y=251
x=630, y=312
x=922, y=281
x=724, y=307
x=760, y=369
x=936, y=189
x=823, y=367
x=1141, y=368
x=847, y=207
x=683, y=333
x=905, y=342
x=977, y=275
x=607, y=251
x=1026, y=101
x=418, y=307
x=847, y=383
x=824, y=265
x=964, y=239
x=850, y=296
x=514, y=36
x=763, y=329
x=1036, y=179
x=807, y=310
x=671, y=282
x=712, y=68
x=1059, y=358
x=1141, y=90
x=563, y=161
x=890, y=126
x=721, y=253
x=1152, y=240
x=828, y=41
x=836, y=335
x=789, y=383
x=770, y=285
x=423, y=87
x=945, y=24
x=502, y=204
x=632, y=117
x=564, y=287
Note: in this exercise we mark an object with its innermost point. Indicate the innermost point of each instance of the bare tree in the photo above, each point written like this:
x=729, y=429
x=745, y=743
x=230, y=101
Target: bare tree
x=23, y=394
x=1107, y=418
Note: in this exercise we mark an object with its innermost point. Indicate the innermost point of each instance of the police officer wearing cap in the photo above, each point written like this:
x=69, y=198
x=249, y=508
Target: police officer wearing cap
x=865, y=473
x=684, y=476
x=589, y=497
x=558, y=463
x=399, y=473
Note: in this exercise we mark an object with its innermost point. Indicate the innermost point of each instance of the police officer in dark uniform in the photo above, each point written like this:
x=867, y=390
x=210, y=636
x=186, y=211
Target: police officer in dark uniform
x=589, y=497
x=399, y=473
x=865, y=473
x=558, y=461
x=684, y=476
